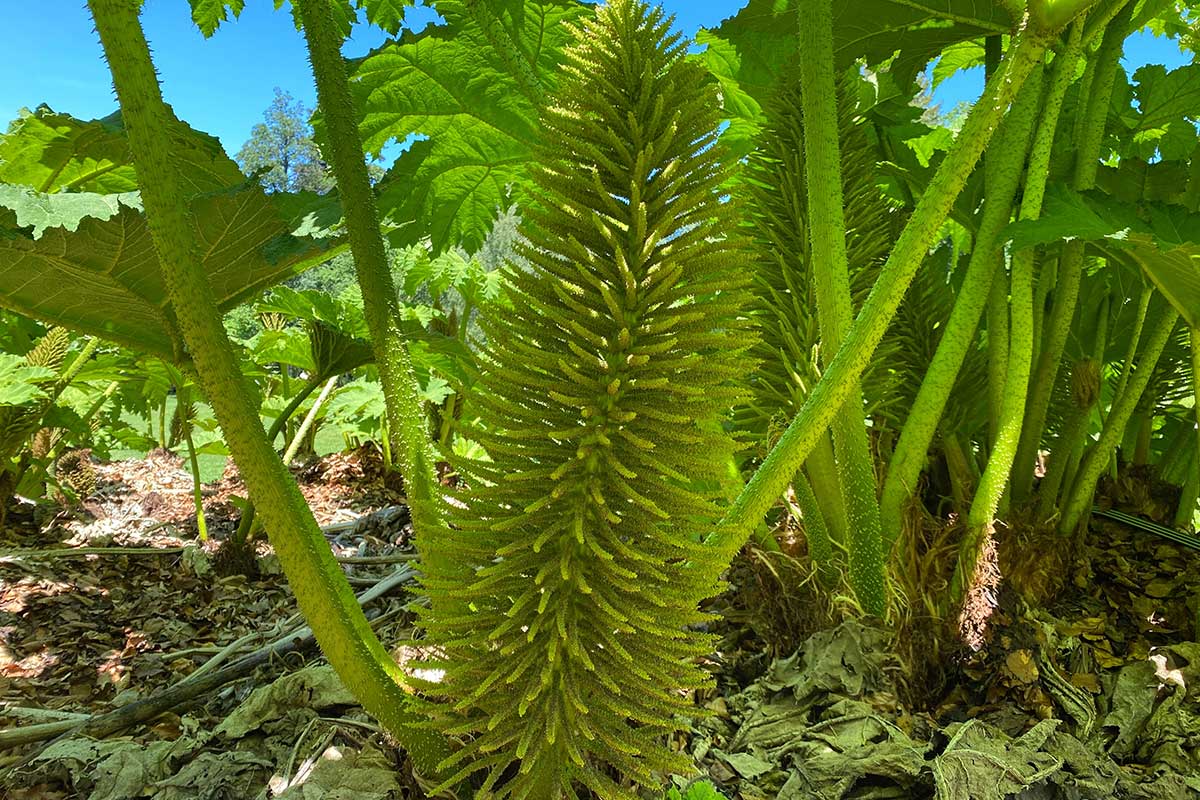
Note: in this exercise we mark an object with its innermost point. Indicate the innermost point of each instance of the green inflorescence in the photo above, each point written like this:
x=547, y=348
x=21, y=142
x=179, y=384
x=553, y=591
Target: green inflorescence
x=605, y=388
x=19, y=422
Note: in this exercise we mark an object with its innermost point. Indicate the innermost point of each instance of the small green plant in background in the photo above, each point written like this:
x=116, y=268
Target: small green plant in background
x=37, y=424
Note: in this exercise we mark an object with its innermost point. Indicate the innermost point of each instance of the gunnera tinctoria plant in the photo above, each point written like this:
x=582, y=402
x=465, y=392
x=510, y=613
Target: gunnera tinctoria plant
x=566, y=630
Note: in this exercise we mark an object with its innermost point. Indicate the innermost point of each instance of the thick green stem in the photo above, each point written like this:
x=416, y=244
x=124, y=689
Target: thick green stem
x=1064, y=493
x=1047, y=277
x=281, y=421
x=1090, y=135
x=838, y=382
x=959, y=467
x=1139, y=325
x=72, y=372
x=405, y=412
x=447, y=421
x=831, y=279
x=309, y=419
x=993, y=54
x=321, y=590
x=816, y=534
x=997, y=350
x=163, y=438
x=1188, y=496
x=1103, y=317
x=1114, y=429
x=285, y=386
x=996, y=474
x=1087, y=384
x=1000, y=462
x=822, y=471
x=246, y=523
x=1144, y=422
x=1194, y=334
x=1061, y=457
x=1054, y=15
x=90, y=413
x=197, y=484
x=1003, y=174
x=1099, y=18
x=1191, y=491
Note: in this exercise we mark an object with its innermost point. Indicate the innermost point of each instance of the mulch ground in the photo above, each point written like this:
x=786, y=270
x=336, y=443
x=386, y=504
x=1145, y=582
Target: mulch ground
x=87, y=634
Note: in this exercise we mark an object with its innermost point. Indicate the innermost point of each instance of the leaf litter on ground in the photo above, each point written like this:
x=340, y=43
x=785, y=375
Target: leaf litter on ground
x=92, y=633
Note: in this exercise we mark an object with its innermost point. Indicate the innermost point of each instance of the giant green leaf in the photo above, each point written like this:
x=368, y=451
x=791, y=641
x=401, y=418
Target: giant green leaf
x=55, y=152
x=1133, y=180
x=1179, y=21
x=19, y=381
x=749, y=51
x=449, y=85
x=99, y=274
x=1168, y=107
x=956, y=58
x=210, y=14
x=1163, y=240
x=537, y=28
x=84, y=259
x=386, y=14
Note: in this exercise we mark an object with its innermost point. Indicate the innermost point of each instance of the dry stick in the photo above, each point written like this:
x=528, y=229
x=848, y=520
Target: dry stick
x=11, y=556
x=222, y=655
x=15, y=737
x=25, y=712
x=98, y=726
x=15, y=556
x=394, y=558
x=381, y=587
x=101, y=725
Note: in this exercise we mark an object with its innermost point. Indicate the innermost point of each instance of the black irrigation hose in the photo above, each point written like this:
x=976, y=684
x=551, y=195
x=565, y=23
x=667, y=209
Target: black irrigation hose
x=1179, y=537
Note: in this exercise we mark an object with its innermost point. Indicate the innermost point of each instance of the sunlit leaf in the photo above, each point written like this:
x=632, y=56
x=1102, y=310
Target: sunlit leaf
x=19, y=381
x=1163, y=240
x=450, y=85
x=85, y=259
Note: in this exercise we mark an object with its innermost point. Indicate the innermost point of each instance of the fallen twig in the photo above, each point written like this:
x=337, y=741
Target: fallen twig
x=24, y=712
x=378, y=588
x=15, y=737
x=76, y=552
x=393, y=558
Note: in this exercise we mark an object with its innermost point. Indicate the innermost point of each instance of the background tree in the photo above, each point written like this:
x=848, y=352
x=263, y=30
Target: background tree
x=284, y=147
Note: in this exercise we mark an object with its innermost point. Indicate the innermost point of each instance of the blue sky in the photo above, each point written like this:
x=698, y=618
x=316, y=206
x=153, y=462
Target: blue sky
x=49, y=54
